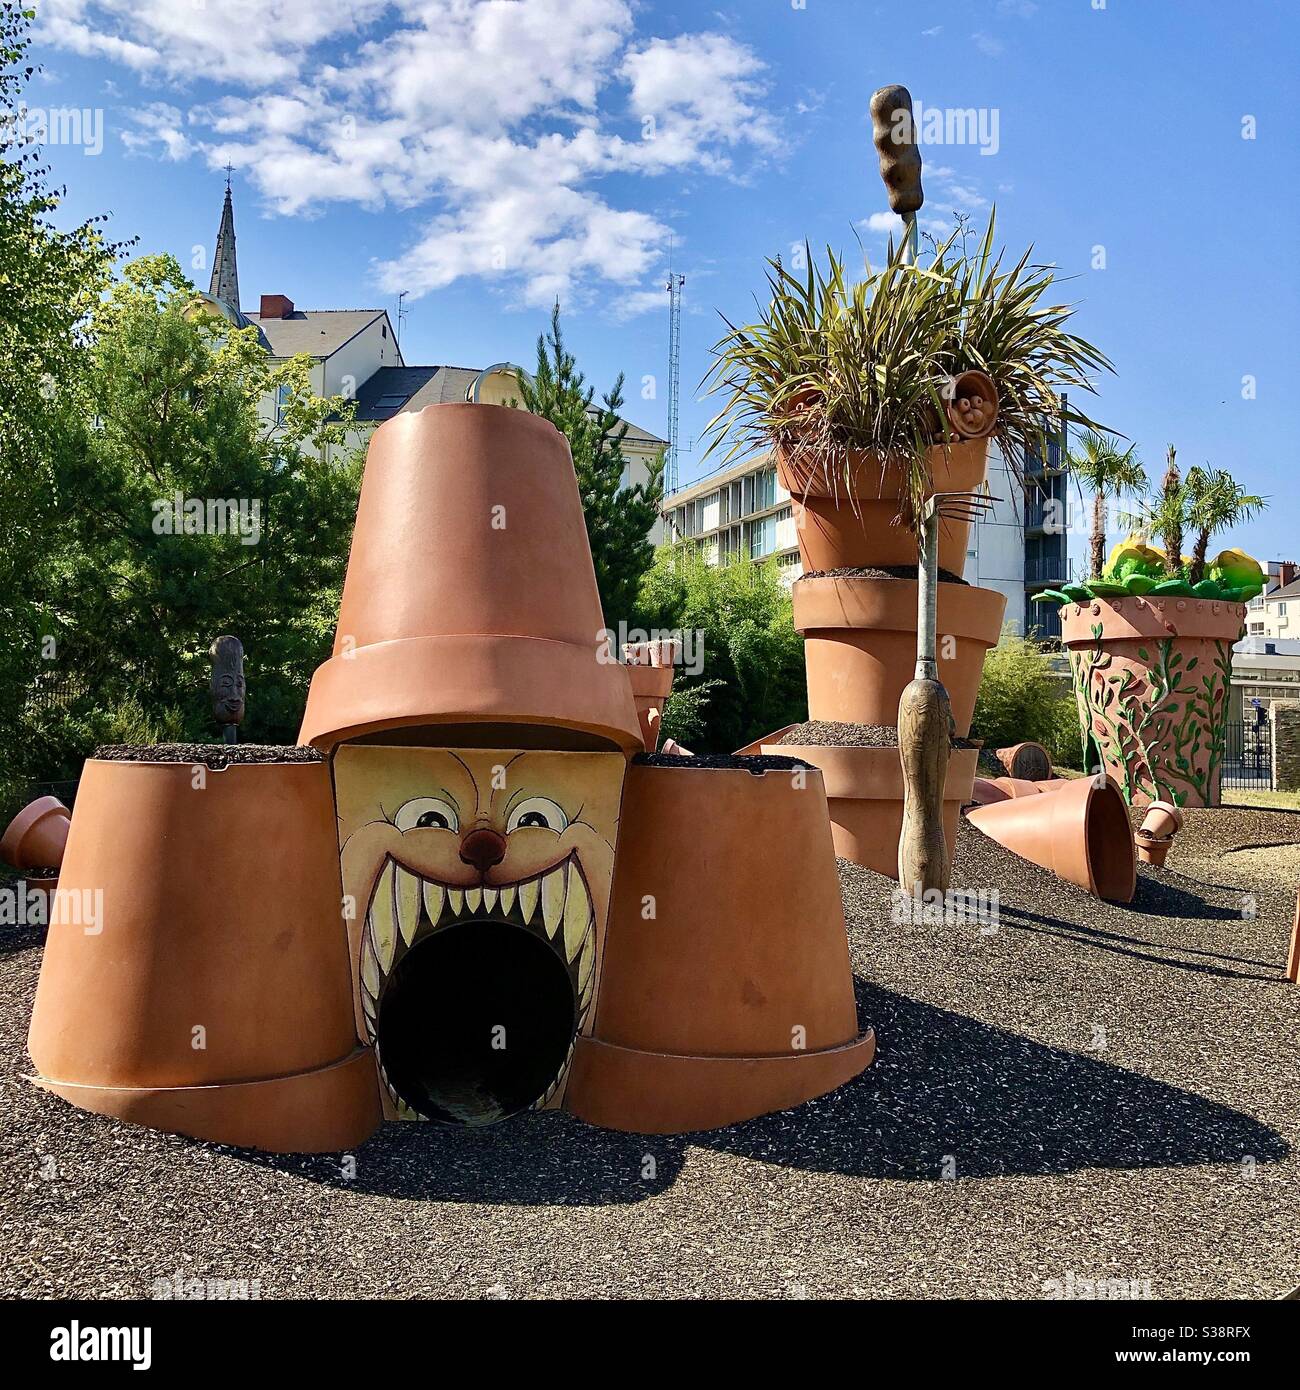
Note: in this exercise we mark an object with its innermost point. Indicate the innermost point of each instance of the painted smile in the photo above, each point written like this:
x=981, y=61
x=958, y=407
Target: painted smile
x=406, y=909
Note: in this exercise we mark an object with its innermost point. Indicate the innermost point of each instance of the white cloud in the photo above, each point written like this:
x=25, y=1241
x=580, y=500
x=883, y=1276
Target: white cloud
x=158, y=124
x=500, y=115
x=988, y=45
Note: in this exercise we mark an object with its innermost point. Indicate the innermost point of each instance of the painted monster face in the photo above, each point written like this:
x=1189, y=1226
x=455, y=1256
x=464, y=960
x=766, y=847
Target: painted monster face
x=481, y=883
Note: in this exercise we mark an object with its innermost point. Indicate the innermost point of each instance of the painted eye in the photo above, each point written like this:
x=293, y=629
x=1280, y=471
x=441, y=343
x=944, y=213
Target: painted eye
x=537, y=811
x=428, y=813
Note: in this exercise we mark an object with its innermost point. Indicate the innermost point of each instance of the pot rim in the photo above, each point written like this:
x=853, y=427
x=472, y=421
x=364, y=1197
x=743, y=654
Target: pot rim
x=829, y=603
x=26, y=820
x=854, y=773
x=1147, y=616
x=959, y=460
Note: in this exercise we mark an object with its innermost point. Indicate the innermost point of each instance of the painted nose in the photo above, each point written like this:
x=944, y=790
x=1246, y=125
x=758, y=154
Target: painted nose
x=482, y=848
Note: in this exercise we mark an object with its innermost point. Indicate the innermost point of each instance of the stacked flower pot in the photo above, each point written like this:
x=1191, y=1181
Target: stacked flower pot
x=860, y=635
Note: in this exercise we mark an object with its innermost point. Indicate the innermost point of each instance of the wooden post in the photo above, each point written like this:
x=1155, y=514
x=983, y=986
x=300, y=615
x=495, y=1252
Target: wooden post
x=925, y=729
x=1293, y=955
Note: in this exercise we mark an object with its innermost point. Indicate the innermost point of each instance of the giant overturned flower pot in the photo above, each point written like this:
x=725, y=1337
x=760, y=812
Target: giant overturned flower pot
x=860, y=645
x=196, y=977
x=850, y=514
x=1151, y=677
x=726, y=989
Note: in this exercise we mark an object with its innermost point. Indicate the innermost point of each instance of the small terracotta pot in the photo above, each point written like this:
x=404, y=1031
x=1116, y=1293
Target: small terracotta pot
x=986, y=791
x=1162, y=820
x=733, y=995
x=1151, y=850
x=1081, y=833
x=470, y=596
x=1151, y=677
x=215, y=997
x=860, y=645
x=848, y=521
x=971, y=404
x=36, y=835
x=1027, y=760
x=650, y=688
x=864, y=792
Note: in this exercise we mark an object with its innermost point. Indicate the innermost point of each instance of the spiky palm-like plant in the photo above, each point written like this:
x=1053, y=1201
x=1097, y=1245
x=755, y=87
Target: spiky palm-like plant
x=1215, y=501
x=1171, y=514
x=1107, y=471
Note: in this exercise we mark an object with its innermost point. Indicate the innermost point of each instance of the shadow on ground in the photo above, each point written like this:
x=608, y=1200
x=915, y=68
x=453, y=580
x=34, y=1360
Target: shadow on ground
x=998, y=1103
x=535, y=1159
x=942, y=1084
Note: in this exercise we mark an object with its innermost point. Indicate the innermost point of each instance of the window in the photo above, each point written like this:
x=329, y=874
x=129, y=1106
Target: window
x=393, y=400
x=764, y=489
x=282, y=399
x=1281, y=610
x=762, y=538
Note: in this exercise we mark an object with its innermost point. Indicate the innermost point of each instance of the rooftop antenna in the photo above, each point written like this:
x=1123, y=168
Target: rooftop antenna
x=401, y=314
x=674, y=287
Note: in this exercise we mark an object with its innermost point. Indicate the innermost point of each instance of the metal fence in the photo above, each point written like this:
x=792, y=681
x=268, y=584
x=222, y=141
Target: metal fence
x=1248, y=755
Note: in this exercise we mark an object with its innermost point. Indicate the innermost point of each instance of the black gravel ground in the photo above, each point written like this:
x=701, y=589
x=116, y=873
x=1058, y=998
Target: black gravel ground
x=880, y=572
x=1087, y=1090
x=824, y=733
x=214, y=755
x=757, y=763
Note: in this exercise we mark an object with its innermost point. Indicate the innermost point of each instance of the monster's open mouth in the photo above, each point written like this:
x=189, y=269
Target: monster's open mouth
x=473, y=996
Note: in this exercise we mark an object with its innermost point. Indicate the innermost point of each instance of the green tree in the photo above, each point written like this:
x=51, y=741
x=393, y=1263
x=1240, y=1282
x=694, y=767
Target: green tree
x=1023, y=697
x=170, y=398
x=1170, y=514
x=1215, y=502
x=751, y=679
x=619, y=519
x=50, y=279
x=1107, y=471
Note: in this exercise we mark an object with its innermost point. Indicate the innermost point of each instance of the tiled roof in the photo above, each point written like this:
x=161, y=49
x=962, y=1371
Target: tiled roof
x=317, y=332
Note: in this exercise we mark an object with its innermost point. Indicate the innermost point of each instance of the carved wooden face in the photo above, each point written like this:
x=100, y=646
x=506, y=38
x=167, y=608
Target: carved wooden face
x=228, y=689
x=492, y=863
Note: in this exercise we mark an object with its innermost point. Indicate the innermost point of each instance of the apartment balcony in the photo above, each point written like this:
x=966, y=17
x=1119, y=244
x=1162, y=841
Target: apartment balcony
x=1054, y=570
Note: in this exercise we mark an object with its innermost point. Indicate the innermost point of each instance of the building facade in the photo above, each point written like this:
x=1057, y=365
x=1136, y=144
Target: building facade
x=355, y=354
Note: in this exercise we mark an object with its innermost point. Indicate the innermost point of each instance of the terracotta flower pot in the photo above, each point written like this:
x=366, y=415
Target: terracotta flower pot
x=860, y=645
x=864, y=791
x=209, y=992
x=37, y=834
x=650, y=688
x=725, y=989
x=470, y=596
x=1151, y=850
x=1081, y=833
x=1151, y=677
x=1162, y=820
x=847, y=521
x=1026, y=760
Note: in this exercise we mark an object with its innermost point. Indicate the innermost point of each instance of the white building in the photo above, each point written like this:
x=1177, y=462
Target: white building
x=355, y=354
x=1276, y=612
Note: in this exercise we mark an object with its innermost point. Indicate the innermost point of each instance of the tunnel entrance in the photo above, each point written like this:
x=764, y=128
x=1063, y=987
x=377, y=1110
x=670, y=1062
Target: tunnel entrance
x=476, y=1021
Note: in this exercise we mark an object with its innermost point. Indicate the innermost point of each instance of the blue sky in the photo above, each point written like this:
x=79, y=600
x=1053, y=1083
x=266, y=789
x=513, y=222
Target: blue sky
x=488, y=155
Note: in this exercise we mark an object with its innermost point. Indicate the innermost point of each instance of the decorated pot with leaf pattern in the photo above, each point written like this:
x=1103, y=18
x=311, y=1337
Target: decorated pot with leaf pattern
x=1151, y=678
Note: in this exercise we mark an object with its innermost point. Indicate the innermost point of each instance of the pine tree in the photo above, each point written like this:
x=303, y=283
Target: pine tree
x=618, y=518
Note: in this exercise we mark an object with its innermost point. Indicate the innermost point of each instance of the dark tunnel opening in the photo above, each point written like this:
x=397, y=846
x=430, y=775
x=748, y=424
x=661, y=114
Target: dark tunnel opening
x=476, y=1021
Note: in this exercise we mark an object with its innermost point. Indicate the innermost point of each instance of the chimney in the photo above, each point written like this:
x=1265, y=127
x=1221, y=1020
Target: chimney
x=1286, y=572
x=276, y=306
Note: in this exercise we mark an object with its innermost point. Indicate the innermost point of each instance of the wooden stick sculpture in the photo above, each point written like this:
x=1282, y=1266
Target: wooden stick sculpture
x=925, y=722
x=228, y=689
x=894, y=134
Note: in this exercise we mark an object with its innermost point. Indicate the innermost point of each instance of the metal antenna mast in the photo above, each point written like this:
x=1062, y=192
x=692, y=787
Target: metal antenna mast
x=674, y=287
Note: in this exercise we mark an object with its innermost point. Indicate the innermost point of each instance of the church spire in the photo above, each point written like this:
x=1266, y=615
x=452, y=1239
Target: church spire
x=225, y=274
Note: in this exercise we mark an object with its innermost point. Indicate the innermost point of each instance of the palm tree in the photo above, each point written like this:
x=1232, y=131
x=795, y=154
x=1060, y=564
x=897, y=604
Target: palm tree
x=1171, y=514
x=1215, y=501
x=1108, y=472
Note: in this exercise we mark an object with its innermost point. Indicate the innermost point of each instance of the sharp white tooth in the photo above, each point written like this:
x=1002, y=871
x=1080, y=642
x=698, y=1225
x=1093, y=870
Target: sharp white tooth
x=553, y=898
x=434, y=897
x=456, y=897
x=577, y=914
x=587, y=964
x=489, y=899
x=406, y=899
x=474, y=899
x=507, y=899
x=528, y=899
x=369, y=968
x=383, y=922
